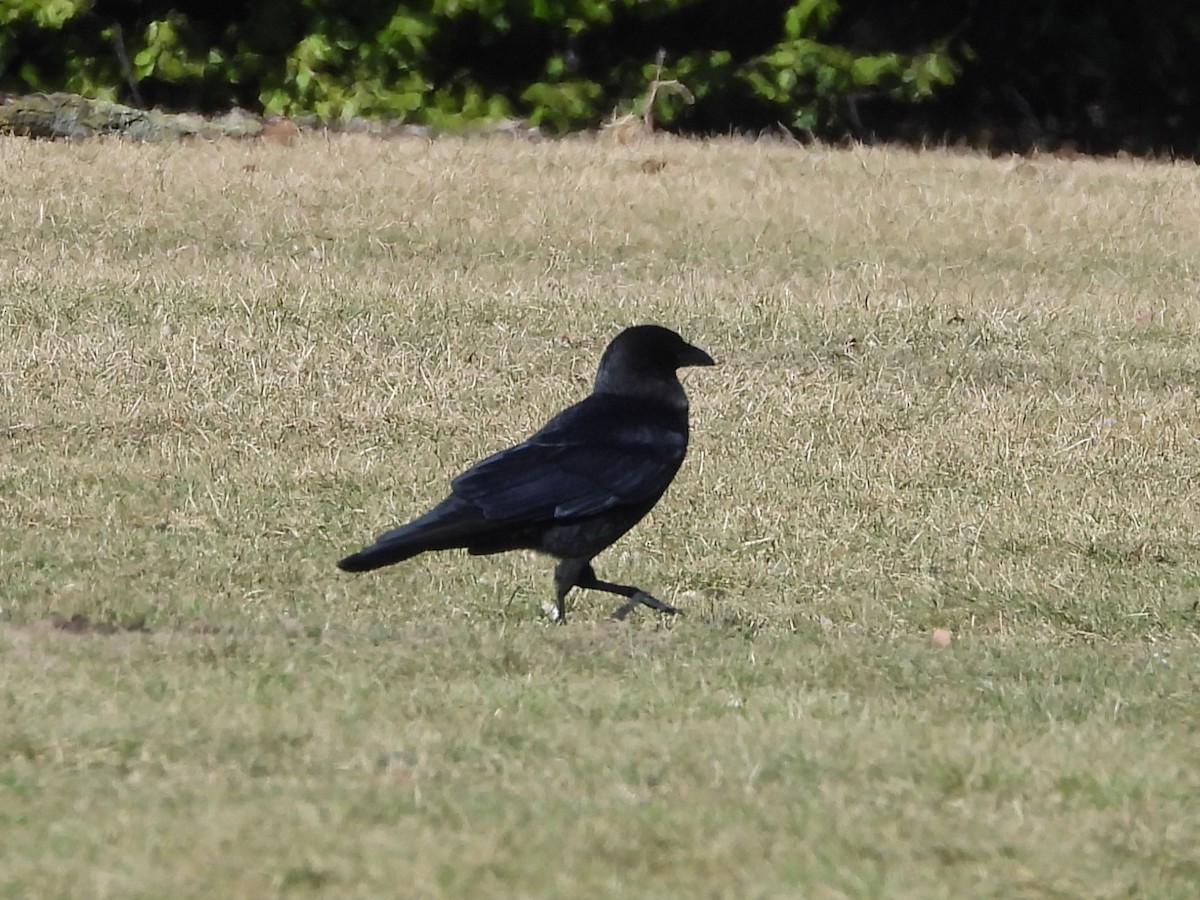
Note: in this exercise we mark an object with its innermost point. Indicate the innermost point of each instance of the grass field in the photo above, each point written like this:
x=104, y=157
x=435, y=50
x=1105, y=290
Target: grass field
x=957, y=398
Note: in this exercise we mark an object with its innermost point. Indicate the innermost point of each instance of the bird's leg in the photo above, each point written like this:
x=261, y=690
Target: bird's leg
x=637, y=597
x=566, y=576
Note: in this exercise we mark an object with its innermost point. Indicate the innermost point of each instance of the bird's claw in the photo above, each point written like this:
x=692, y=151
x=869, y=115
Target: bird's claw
x=641, y=598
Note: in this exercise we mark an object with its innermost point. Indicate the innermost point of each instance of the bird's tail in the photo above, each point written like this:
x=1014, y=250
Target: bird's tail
x=383, y=552
x=452, y=523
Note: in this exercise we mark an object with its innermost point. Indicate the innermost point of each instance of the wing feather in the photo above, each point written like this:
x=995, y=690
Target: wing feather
x=540, y=481
x=583, y=462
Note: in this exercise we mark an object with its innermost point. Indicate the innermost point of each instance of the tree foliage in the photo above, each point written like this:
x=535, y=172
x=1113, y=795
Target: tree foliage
x=559, y=63
x=1104, y=75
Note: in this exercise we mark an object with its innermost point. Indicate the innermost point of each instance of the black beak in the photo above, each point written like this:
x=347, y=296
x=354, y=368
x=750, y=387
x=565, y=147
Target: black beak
x=694, y=356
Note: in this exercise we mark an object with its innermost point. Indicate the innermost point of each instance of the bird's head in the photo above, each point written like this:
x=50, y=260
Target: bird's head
x=645, y=356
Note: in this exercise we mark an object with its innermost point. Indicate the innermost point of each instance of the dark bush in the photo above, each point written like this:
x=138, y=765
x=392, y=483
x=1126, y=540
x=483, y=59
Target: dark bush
x=562, y=65
x=1097, y=76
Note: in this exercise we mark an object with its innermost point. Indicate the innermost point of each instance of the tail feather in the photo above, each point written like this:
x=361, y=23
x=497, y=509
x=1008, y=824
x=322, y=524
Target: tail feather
x=381, y=553
x=452, y=523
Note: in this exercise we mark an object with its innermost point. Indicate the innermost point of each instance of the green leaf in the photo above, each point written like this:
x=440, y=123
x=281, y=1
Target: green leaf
x=56, y=13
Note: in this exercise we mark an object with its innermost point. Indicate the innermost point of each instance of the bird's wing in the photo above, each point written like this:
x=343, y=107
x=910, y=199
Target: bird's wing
x=552, y=476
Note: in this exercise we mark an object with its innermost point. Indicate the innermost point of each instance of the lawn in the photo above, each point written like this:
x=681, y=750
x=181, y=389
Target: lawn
x=937, y=539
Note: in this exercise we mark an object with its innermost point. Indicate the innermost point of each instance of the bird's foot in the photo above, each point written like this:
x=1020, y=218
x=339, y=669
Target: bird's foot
x=641, y=598
x=556, y=613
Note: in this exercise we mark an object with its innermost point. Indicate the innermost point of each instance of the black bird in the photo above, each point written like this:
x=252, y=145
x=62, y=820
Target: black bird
x=574, y=487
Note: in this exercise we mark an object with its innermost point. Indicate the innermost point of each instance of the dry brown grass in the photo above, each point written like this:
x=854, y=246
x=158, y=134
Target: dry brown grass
x=957, y=396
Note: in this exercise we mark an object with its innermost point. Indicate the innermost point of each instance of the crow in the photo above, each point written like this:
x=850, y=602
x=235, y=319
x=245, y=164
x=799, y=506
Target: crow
x=575, y=486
